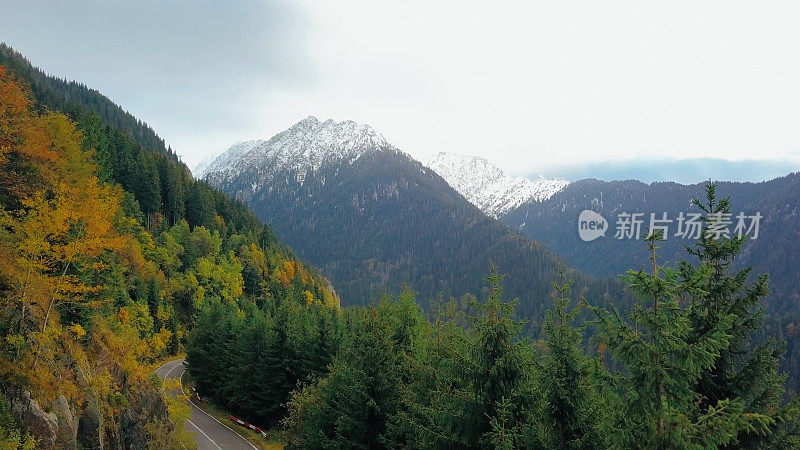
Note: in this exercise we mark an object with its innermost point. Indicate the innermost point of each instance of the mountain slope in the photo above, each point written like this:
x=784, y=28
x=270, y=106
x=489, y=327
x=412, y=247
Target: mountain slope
x=554, y=222
x=110, y=250
x=486, y=186
x=61, y=95
x=372, y=218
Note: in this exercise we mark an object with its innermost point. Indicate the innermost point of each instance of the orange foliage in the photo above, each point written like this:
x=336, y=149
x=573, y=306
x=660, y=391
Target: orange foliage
x=55, y=225
x=284, y=278
x=288, y=267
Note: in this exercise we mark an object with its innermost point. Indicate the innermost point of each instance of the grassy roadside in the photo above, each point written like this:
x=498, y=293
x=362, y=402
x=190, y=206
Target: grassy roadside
x=273, y=441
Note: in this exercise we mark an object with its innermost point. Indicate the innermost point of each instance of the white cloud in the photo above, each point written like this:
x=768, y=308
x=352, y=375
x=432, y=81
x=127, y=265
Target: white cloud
x=529, y=85
x=539, y=84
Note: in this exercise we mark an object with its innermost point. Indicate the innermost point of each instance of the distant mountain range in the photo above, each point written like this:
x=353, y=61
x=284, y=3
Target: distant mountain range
x=552, y=219
x=776, y=250
x=374, y=219
x=489, y=188
x=683, y=171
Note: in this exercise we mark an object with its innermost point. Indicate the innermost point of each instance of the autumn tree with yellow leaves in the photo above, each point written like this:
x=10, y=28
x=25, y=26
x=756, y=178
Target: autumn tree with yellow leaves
x=109, y=253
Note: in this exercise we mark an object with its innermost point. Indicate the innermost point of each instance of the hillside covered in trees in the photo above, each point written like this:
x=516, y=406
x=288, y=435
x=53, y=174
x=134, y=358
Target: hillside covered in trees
x=71, y=97
x=678, y=370
x=110, y=249
x=374, y=220
x=776, y=250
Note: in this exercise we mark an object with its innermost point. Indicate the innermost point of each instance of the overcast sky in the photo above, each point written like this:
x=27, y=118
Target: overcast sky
x=536, y=87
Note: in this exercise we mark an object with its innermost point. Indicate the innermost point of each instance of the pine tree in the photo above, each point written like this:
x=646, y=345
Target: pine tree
x=569, y=415
x=361, y=393
x=742, y=370
x=498, y=368
x=663, y=362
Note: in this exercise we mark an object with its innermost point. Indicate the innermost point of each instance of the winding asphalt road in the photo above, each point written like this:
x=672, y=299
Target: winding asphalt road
x=208, y=431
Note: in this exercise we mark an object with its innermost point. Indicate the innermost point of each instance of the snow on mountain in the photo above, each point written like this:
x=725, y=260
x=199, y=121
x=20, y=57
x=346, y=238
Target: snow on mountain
x=310, y=145
x=306, y=146
x=200, y=169
x=489, y=188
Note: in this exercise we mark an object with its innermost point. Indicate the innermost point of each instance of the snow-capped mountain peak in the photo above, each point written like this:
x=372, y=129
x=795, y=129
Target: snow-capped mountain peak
x=489, y=188
x=306, y=146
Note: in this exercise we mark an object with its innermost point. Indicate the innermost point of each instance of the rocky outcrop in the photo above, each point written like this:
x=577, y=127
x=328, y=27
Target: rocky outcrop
x=148, y=407
x=144, y=420
x=41, y=424
x=67, y=425
x=91, y=429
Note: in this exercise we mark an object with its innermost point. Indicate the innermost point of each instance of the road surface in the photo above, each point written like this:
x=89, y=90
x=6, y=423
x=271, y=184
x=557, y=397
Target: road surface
x=209, y=433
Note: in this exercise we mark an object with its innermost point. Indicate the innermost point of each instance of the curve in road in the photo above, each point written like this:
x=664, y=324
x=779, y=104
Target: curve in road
x=209, y=432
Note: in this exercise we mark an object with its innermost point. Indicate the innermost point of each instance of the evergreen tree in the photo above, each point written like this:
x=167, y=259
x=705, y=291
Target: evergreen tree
x=361, y=393
x=206, y=348
x=742, y=370
x=499, y=368
x=248, y=383
x=663, y=362
x=433, y=400
x=279, y=366
x=570, y=412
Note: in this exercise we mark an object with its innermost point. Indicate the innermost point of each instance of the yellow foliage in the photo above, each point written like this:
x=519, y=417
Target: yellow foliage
x=66, y=220
x=60, y=237
x=78, y=330
x=204, y=268
x=158, y=343
x=329, y=299
x=125, y=349
x=131, y=255
x=284, y=278
x=199, y=297
x=220, y=222
x=257, y=256
x=123, y=316
x=161, y=313
x=288, y=267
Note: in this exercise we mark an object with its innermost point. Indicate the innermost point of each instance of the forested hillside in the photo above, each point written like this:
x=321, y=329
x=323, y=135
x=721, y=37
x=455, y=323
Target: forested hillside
x=776, y=250
x=678, y=370
x=70, y=96
x=110, y=250
x=373, y=219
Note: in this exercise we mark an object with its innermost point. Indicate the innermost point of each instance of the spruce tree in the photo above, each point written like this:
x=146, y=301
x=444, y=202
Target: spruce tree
x=742, y=370
x=569, y=404
x=499, y=370
x=277, y=362
x=663, y=361
x=431, y=412
x=361, y=393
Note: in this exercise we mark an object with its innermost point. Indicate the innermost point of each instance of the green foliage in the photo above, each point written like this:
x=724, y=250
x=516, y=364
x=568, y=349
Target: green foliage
x=499, y=366
x=742, y=370
x=664, y=355
x=689, y=366
x=104, y=269
x=401, y=381
x=249, y=358
x=70, y=97
x=383, y=221
x=467, y=380
x=12, y=435
x=571, y=402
